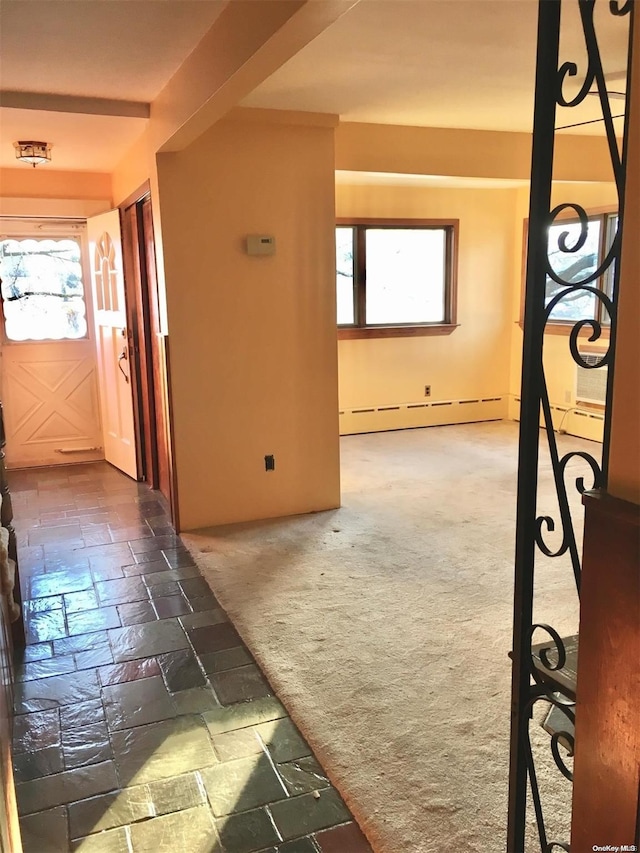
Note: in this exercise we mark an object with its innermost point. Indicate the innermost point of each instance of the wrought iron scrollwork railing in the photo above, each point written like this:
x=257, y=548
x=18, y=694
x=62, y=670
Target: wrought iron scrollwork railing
x=533, y=680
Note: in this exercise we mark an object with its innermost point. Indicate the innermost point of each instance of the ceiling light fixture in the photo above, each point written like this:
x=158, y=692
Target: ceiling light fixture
x=33, y=152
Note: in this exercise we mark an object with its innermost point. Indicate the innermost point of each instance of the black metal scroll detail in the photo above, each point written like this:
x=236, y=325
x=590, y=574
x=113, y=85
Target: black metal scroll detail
x=533, y=678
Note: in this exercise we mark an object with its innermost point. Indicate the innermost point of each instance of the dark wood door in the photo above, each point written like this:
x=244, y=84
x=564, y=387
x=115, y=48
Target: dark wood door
x=149, y=347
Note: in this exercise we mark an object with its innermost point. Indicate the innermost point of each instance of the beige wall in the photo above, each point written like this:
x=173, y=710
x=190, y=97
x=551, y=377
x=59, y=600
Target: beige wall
x=25, y=191
x=468, y=153
x=27, y=182
x=474, y=360
x=252, y=339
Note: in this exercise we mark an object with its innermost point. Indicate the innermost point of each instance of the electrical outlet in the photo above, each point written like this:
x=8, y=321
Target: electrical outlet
x=567, y=396
x=427, y=390
x=269, y=463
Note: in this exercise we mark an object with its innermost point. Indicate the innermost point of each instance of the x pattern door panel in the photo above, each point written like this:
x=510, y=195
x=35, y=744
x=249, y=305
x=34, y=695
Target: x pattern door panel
x=51, y=403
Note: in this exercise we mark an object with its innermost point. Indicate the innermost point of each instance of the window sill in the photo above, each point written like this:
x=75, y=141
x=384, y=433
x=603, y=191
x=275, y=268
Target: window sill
x=552, y=328
x=346, y=333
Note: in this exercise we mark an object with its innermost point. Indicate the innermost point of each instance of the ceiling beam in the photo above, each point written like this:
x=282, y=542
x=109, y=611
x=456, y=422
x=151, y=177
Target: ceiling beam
x=74, y=104
x=248, y=42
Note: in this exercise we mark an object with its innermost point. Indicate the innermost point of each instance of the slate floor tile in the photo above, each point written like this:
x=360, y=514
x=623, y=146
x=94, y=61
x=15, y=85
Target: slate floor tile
x=126, y=534
x=300, y=845
x=122, y=591
x=150, y=639
x=108, y=573
x=151, y=557
x=82, y=714
x=342, y=838
x=302, y=776
x=93, y=620
x=45, y=832
x=164, y=589
x=43, y=605
x=179, y=558
x=214, y=662
x=180, y=670
x=205, y=602
x=111, y=841
x=45, y=668
x=137, y=613
x=247, y=832
x=202, y=618
x=86, y=745
x=135, y=703
x=95, y=537
x=60, y=582
x=36, y=731
x=80, y=643
x=61, y=788
x=45, y=535
x=283, y=740
x=170, y=605
x=157, y=543
x=49, y=625
x=176, y=794
x=196, y=588
x=78, y=602
x=241, y=716
x=33, y=652
x=240, y=685
x=40, y=762
x=299, y=816
x=191, y=830
x=160, y=750
x=94, y=657
x=106, y=811
x=86, y=754
x=239, y=744
x=169, y=574
x=147, y=567
x=241, y=785
x=195, y=700
x=214, y=638
x=47, y=693
x=130, y=671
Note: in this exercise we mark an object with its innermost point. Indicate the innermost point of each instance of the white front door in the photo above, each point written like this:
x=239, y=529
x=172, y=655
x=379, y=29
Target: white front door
x=49, y=378
x=112, y=347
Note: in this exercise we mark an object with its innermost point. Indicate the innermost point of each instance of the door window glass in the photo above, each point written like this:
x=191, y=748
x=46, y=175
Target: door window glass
x=42, y=290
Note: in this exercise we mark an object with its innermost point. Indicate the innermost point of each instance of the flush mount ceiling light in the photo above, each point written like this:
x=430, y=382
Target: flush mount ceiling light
x=33, y=152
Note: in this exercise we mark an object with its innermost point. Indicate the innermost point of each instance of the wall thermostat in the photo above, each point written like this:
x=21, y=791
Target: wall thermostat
x=261, y=244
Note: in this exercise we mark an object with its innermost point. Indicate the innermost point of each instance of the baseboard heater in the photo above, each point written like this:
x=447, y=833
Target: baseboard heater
x=411, y=415
x=574, y=420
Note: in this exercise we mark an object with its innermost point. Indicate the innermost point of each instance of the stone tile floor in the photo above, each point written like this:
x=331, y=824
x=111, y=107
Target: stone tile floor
x=143, y=722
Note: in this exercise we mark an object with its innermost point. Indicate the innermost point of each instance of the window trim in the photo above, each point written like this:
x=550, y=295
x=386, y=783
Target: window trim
x=564, y=327
x=400, y=330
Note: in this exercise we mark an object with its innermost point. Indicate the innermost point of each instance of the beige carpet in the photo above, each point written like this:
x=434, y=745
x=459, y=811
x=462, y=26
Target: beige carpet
x=384, y=627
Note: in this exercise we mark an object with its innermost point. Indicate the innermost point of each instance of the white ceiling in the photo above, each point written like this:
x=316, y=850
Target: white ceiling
x=438, y=63
x=441, y=63
x=124, y=49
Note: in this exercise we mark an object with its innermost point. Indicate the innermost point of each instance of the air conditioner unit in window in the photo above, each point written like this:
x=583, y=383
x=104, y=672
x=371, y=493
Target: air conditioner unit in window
x=591, y=383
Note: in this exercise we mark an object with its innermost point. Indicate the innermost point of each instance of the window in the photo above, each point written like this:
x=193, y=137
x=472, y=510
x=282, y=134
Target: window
x=575, y=267
x=42, y=290
x=395, y=277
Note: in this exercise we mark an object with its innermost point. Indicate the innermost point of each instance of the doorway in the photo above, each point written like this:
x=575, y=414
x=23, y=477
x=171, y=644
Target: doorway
x=85, y=363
